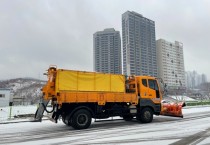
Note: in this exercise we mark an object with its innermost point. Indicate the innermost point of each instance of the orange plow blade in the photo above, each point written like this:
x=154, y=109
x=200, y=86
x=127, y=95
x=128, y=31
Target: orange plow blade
x=172, y=109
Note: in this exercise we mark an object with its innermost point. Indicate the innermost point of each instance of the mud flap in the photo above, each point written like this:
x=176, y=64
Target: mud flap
x=40, y=111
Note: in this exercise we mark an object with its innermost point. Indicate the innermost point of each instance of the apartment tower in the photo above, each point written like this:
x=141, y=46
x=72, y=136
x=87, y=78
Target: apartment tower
x=107, y=51
x=139, y=45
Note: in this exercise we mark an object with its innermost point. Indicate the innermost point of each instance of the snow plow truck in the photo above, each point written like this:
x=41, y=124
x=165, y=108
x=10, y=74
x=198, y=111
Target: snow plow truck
x=79, y=96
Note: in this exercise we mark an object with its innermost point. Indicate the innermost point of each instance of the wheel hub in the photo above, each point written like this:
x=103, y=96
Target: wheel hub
x=147, y=115
x=82, y=119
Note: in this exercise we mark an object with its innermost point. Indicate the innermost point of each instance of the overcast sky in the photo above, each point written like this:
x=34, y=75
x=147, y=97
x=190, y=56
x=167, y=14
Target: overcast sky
x=37, y=33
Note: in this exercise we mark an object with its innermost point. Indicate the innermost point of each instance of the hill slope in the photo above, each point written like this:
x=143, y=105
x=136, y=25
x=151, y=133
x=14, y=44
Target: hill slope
x=24, y=89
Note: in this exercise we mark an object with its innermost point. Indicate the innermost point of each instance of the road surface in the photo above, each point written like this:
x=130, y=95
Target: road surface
x=194, y=128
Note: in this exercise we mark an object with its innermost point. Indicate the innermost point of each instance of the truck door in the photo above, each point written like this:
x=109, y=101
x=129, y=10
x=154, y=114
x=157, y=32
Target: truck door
x=143, y=88
x=153, y=90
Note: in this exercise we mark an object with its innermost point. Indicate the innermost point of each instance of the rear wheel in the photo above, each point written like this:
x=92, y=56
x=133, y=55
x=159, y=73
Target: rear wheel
x=145, y=116
x=81, y=119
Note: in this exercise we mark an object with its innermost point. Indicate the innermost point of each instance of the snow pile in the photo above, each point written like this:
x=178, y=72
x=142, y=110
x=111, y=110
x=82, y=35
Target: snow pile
x=182, y=98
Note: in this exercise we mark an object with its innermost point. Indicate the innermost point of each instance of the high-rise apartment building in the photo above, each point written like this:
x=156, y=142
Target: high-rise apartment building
x=139, y=45
x=107, y=51
x=170, y=62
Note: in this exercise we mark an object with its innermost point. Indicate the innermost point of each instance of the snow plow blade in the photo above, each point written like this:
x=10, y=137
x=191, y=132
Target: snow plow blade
x=40, y=111
x=172, y=109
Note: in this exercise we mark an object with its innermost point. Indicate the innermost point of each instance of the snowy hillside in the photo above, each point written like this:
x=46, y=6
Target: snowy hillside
x=27, y=88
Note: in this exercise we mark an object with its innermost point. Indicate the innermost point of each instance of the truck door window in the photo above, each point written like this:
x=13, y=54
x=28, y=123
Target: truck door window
x=153, y=84
x=144, y=82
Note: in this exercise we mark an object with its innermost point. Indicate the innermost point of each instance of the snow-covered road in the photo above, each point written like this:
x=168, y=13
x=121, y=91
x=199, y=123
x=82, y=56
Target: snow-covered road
x=194, y=128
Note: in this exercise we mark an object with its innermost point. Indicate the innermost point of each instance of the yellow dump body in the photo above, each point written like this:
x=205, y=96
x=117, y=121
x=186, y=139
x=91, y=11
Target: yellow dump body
x=69, y=80
x=69, y=86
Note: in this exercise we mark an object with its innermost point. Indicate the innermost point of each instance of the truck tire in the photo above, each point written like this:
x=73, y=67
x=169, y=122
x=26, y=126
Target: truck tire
x=127, y=117
x=81, y=119
x=145, y=116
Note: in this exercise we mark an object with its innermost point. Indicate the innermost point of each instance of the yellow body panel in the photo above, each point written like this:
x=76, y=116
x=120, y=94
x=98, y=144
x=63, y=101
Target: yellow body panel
x=96, y=97
x=67, y=80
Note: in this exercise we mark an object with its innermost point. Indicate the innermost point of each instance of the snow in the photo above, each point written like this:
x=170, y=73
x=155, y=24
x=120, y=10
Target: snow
x=182, y=98
x=16, y=110
x=163, y=130
x=31, y=109
x=205, y=142
x=195, y=109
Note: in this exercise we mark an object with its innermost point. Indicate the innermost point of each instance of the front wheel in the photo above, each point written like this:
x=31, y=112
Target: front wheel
x=81, y=119
x=145, y=116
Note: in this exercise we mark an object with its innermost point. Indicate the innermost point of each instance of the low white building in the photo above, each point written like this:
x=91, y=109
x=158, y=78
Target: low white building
x=4, y=97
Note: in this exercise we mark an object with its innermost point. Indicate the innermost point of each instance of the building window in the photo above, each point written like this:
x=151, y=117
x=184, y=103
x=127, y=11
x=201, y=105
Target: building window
x=2, y=95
